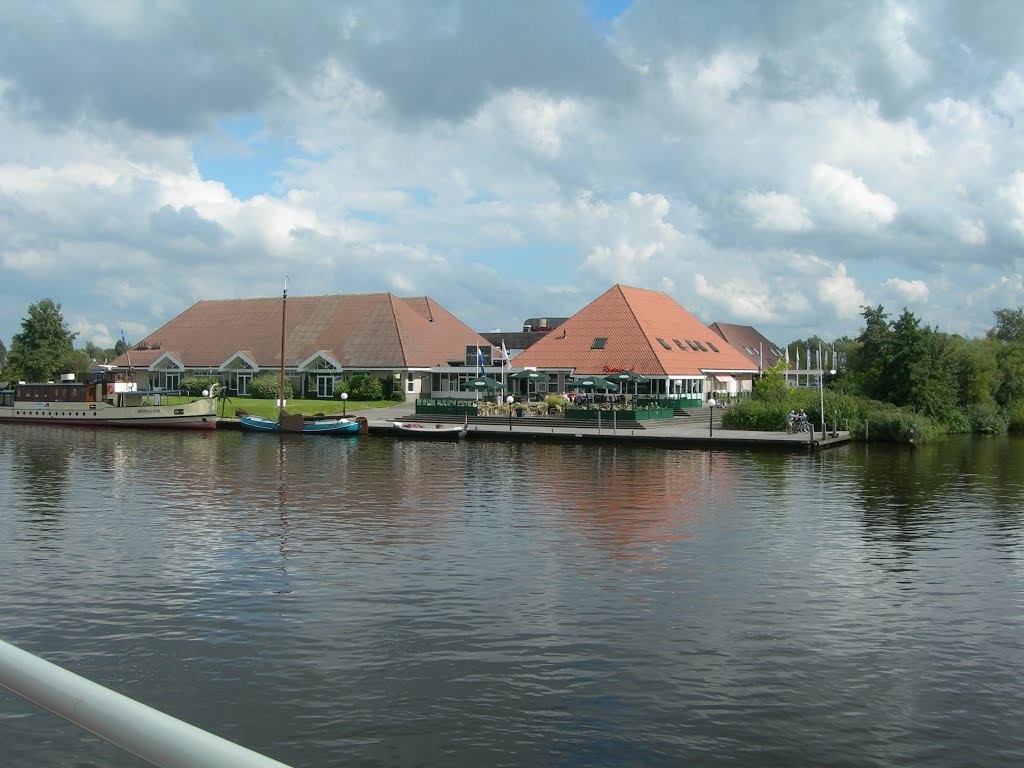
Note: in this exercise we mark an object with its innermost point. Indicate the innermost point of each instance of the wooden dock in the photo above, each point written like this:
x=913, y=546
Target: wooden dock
x=679, y=432
x=675, y=432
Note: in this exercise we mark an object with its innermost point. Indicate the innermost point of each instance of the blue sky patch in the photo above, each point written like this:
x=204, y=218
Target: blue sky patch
x=606, y=11
x=243, y=155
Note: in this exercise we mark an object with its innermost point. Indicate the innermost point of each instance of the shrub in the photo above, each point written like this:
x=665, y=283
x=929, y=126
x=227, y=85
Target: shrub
x=267, y=386
x=194, y=386
x=985, y=418
x=364, y=387
x=757, y=415
x=1015, y=416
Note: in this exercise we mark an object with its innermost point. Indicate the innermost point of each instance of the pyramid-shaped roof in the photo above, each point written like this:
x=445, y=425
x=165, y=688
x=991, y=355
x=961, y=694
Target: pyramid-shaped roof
x=376, y=330
x=635, y=329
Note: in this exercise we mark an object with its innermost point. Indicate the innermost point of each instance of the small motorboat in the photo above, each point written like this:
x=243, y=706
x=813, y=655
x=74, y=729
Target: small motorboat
x=431, y=431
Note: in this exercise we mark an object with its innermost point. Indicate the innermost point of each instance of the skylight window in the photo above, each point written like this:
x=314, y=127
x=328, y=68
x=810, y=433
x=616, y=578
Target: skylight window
x=700, y=346
x=679, y=344
x=599, y=343
x=713, y=347
x=692, y=346
x=664, y=343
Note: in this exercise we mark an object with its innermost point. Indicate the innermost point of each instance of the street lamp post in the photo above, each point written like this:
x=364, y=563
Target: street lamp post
x=344, y=403
x=509, y=400
x=711, y=417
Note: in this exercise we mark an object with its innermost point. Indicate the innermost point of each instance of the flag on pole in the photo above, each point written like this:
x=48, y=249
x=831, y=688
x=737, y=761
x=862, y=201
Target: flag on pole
x=787, y=357
x=505, y=359
x=479, y=361
x=127, y=349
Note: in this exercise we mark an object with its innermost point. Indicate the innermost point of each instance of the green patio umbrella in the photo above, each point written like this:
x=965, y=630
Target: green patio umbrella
x=624, y=377
x=592, y=382
x=528, y=375
x=482, y=382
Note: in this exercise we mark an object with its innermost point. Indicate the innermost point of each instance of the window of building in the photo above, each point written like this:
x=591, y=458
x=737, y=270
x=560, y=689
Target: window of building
x=715, y=349
x=700, y=346
x=679, y=344
x=664, y=343
x=599, y=343
x=692, y=346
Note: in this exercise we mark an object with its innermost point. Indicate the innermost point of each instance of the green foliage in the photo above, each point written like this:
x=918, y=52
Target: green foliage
x=772, y=386
x=3, y=354
x=194, y=386
x=759, y=415
x=1015, y=416
x=363, y=386
x=267, y=386
x=1009, y=325
x=44, y=348
x=987, y=419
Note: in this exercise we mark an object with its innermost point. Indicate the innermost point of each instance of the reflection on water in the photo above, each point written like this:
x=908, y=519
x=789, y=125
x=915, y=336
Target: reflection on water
x=382, y=602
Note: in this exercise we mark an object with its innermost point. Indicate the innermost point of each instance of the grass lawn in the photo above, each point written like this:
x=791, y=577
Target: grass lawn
x=268, y=408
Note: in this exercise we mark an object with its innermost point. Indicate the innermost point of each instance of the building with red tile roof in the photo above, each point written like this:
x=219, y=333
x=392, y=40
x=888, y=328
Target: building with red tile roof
x=327, y=339
x=646, y=332
x=759, y=349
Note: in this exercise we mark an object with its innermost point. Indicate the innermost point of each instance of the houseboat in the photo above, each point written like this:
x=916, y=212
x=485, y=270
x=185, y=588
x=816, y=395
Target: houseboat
x=107, y=399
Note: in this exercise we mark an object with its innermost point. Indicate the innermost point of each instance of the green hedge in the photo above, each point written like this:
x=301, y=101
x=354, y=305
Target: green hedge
x=194, y=386
x=362, y=386
x=267, y=386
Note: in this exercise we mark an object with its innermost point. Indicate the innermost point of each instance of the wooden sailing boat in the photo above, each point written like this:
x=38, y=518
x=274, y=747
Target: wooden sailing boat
x=296, y=422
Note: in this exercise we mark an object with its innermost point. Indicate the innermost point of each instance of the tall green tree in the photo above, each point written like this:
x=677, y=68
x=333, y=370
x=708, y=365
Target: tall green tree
x=1007, y=336
x=44, y=348
x=868, y=361
x=1009, y=325
x=3, y=354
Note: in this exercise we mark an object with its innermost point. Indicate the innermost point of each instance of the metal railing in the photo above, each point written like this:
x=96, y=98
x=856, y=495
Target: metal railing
x=146, y=732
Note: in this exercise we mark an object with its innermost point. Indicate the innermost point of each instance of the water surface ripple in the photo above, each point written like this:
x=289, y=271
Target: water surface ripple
x=378, y=602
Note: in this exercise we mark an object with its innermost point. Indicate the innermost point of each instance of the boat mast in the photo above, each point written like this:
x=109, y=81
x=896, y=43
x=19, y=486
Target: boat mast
x=284, y=313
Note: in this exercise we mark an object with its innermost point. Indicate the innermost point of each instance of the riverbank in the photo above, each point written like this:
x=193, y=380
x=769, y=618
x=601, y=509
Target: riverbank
x=676, y=432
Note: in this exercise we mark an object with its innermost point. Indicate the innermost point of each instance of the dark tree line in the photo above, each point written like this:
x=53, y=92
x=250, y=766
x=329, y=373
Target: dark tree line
x=901, y=361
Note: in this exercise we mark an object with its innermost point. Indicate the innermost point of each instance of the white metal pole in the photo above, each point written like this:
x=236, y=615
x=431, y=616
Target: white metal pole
x=146, y=732
x=821, y=389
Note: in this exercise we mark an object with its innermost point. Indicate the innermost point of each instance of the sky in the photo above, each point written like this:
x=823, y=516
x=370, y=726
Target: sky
x=776, y=164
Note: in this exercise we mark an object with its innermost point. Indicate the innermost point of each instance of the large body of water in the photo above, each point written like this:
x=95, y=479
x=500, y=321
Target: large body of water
x=375, y=602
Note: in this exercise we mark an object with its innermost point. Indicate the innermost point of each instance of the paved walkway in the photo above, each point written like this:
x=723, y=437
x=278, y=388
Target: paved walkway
x=678, y=432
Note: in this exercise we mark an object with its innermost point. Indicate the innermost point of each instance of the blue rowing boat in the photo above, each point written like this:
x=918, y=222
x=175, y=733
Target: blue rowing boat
x=295, y=423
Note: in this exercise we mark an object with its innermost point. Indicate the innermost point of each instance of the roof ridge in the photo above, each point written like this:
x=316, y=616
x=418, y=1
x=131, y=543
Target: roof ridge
x=638, y=323
x=392, y=298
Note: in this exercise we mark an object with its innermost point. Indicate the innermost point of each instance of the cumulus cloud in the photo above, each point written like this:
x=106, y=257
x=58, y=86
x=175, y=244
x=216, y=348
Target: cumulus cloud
x=912, y=291
x=846, y=199
x=839, y=292
x=764, y=163
x=772, y=210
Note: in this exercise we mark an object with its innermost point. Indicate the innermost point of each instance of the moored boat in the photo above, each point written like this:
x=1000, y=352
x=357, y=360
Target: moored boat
x=296, y=423
x=107, y=399
x=328, y=425
x=430, y=432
